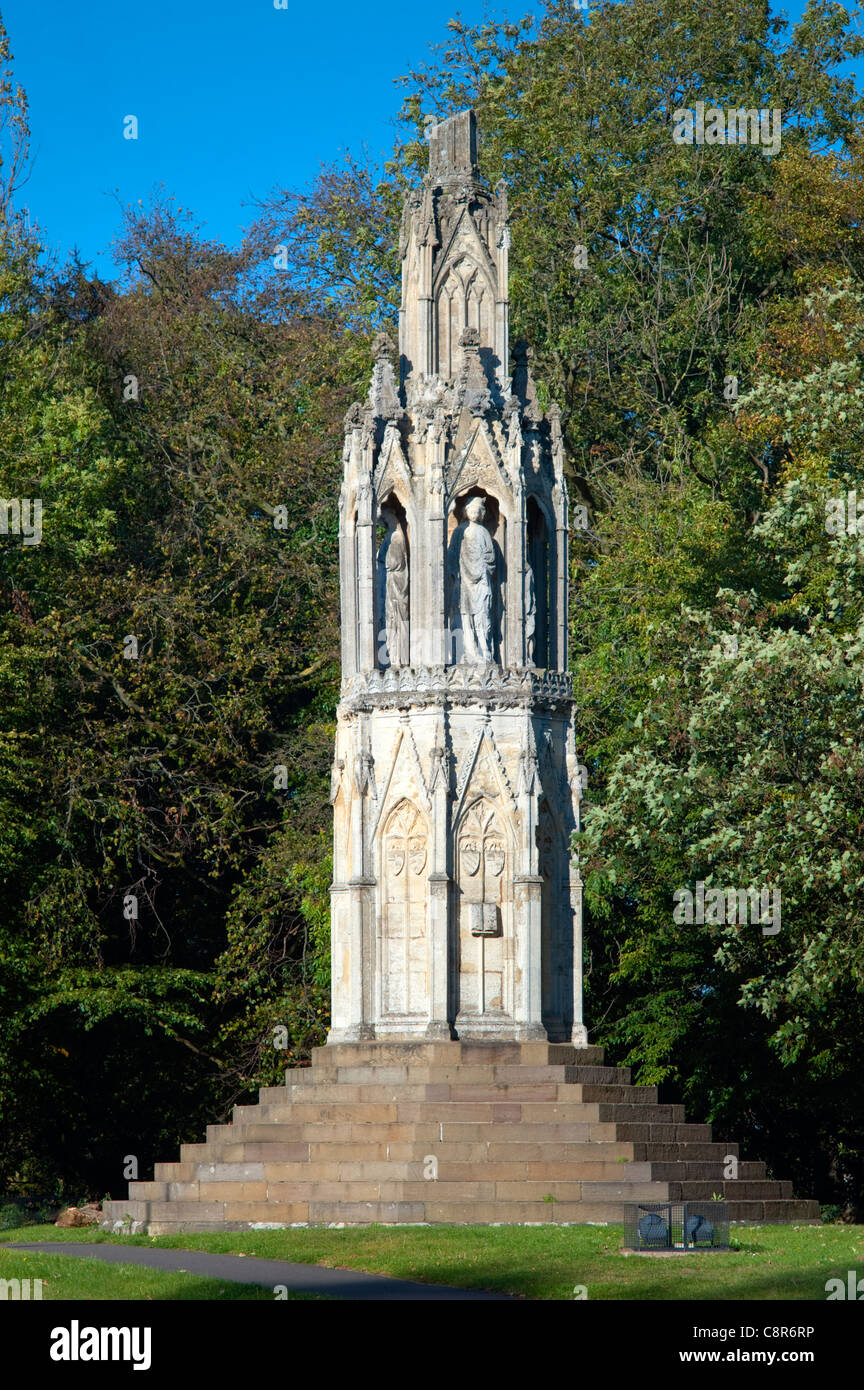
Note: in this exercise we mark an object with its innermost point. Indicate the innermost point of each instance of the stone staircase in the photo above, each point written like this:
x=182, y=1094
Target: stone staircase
x=517, y=1133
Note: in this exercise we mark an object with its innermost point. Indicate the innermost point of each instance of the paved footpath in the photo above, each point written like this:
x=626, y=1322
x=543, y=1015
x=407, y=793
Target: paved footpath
x=248, y=1269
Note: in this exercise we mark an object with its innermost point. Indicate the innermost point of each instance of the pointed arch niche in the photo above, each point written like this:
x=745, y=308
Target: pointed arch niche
x=557, y=933
x=465, y=299
x=483, y=871
x=539, y=586
x=350, y=591
x=404, y=854
x=383, y=656
x=496, y=524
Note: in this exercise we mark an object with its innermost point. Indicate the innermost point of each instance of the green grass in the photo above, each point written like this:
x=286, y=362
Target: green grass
x=773, y=1262
x=86, y=1280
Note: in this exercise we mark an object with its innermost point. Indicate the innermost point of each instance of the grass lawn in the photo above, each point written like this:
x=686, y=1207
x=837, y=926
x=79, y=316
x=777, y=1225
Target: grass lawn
x=63, y=1278
x=773, y=1262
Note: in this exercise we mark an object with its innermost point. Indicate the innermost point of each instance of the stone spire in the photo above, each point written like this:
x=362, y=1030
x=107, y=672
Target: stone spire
x=453, y=150
x=524, y=387
x=455, y=262
x=456, y=904
x=384, y=397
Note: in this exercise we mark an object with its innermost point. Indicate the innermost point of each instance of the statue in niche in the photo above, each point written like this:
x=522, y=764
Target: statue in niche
x=472, y=565
x=530, y=613
x=393, y=581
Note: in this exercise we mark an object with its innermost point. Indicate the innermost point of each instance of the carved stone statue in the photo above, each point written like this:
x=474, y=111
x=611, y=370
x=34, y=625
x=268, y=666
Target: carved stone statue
x=393, y=579
x=530, y=613
x=472, y=568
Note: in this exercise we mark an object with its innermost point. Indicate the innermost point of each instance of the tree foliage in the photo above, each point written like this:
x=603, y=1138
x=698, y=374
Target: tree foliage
x=183, y=427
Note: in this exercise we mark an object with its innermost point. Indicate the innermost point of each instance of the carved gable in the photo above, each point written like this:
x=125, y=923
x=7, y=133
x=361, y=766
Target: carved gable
x=476, y=461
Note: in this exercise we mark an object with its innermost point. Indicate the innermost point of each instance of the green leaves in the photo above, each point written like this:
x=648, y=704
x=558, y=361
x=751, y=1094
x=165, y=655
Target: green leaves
x=150, y=777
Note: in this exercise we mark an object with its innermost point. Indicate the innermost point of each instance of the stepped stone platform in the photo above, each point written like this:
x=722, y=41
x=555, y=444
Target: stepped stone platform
x=517, y=1133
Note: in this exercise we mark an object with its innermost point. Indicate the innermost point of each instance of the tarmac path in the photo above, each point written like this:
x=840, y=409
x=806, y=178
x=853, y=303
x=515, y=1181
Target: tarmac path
x=249, y=1269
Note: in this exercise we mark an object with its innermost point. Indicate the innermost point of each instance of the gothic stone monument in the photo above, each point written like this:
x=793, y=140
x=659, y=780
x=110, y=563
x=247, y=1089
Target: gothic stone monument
x=456, y=900
x=457, y=1084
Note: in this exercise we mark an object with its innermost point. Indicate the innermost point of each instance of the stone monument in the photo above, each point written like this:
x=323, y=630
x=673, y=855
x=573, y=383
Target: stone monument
x=456, y=901
x=457, y=1084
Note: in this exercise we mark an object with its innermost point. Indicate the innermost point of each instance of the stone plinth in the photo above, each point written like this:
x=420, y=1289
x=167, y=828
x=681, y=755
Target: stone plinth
x=448, y=1133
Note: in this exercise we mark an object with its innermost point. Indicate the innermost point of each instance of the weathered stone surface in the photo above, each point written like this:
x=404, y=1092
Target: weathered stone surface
x=455, y=782
x=457, y=1083
x=474, y=1162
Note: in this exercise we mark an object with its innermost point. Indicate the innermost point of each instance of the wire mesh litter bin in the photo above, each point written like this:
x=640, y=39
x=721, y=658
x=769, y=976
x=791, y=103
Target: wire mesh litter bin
x=676, y=1226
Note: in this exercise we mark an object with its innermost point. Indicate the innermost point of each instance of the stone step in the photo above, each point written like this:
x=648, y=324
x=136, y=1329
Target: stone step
x=375, y=1076
x=625, y=1094
x=272, y=1095
x=494, y=1088
x=217, y=1134
x=737, y=1191
x=673, y=1143
x=165, y=1218
x=294, y=1076
x=442, y=1132
x=588, y=1076
x=214, y=1213
x=784, y=1212
x=529, y=1132
x=656, y=1133
x=643, y=1114
x=330, y=1092
x=400, y=1170
x=456, y=1111
x=334, y=1112
x=179, y=1228
x=694, y=1171
x=411, y=1151
x=500, y=1171
x=683, y=1153
x=507, y=1091
x=490, y=1075
x=173, y=1172
x=574, y=1156
x=130, y=1213
x=394, y=1188
x=533, y=1104
x=438, y=1213
x=235, y=1172
x=192, y=1153
x=150, y=1191
x=455, y=1053
x=258, y=1152
x=398, y=1054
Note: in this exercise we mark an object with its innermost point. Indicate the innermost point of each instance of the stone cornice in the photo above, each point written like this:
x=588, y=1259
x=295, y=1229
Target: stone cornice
x=494, y=686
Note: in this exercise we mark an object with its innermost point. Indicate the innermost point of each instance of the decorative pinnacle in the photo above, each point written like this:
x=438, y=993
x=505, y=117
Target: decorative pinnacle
x=383, y=347
x=453, y=148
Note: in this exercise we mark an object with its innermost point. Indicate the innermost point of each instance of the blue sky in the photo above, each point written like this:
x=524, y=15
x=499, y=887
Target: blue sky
x=233, y=98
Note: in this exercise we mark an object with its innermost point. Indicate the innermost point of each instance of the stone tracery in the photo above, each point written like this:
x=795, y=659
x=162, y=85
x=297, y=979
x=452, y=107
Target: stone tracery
x=461, y=918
